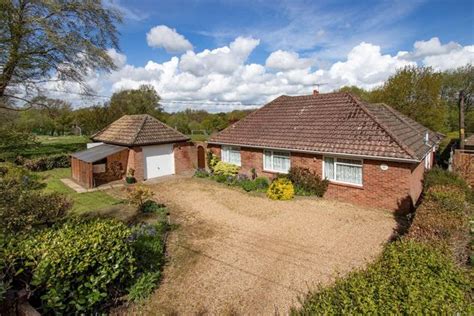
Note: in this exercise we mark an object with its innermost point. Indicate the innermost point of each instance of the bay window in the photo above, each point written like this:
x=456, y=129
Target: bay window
x=343, y=170
x=231, y=155
x=276, y=161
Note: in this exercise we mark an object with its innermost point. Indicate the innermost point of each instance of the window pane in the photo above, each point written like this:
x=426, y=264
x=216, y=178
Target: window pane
x=281, y=153
x=225, y=154
x=234, y=157
x=349, y=161
x=267, y=161
x=281, y=163
x=350, y=174
x=329, y=168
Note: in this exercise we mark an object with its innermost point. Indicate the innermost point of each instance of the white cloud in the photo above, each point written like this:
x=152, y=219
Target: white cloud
x=162, y=36
x=284, y=60
x=119, y=59
x=222, y=79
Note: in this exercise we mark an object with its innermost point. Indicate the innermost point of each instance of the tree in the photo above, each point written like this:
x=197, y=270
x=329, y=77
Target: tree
x=144, y=100
x=43, y=41
x=415, y=92
x=363, y=94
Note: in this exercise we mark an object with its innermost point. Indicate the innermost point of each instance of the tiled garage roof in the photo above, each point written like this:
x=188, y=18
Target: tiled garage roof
x=330, y=123
x=136, y=130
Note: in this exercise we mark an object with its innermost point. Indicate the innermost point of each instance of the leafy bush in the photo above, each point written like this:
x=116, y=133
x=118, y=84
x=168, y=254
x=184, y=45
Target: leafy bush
x=262, y=183
x=149, y=245
x=74, y=267
x=442, y=219
x=23, y=206
x=226, y=169
x=307, y=182
x=438, y=176
x=138, y=195
x=151, y=206
x=409, y=278
x=144, y=286
x=201, y=173
x=281, y=189
x=220, y=178
x=212, y=160
x=248, y=185
x=47, y=163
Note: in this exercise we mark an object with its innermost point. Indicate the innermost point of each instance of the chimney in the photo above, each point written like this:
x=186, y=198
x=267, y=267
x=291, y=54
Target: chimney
x=315, y=92
x=427, y=138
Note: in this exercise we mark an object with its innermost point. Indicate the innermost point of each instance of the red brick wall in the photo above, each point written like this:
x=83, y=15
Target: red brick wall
x=135, y=161
x=396, y=188
x=185, y=157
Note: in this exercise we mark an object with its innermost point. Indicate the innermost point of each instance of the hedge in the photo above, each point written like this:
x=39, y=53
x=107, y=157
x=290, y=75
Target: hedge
x=409, y=278
x=46, y=163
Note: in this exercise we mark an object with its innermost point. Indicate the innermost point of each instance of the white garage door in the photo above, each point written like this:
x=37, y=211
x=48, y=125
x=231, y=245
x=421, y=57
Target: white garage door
x=159, y=160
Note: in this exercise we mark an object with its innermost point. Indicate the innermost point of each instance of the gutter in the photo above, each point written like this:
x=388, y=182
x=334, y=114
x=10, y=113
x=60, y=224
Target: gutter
x=321, y=152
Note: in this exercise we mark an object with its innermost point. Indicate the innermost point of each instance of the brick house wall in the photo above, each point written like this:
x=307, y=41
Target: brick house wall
x=397, y=188
x=185, y=157
x=135, y=161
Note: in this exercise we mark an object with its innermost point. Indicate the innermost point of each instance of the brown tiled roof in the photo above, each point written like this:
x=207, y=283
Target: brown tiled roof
x=136, y=130
x=330, y=123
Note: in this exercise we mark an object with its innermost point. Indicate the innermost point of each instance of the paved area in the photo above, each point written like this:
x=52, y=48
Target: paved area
x=240, y=253
x=80, y=189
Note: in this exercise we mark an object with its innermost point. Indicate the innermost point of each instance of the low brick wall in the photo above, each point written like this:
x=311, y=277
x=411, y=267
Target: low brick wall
x=185, y=157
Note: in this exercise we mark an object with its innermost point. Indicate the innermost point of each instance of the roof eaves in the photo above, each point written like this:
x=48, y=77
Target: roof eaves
x=402, y=145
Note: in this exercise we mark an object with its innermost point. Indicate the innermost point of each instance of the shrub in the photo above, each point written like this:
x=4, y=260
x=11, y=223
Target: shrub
x=150, y=206
x=212, y=160
x=307, y=182
x=442, y=219
x=47, y=163
x=74, y=267
x=226, y=169
x=201, y=173
x=409, y=278
x=220, y=178
x=144, y=286
x=281, y=189
x=149, y=246
x=23, y=206
x=139, y=195
x=248, y=185
x=262, y=183
x=438, y=176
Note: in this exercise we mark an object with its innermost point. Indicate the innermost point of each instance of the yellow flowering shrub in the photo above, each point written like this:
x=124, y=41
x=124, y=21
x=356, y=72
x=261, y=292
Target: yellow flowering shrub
x=226, y=169
x=281, y=189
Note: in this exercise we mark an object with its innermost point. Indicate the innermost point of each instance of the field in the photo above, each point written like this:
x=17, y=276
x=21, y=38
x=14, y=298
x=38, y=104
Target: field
x=83, y=202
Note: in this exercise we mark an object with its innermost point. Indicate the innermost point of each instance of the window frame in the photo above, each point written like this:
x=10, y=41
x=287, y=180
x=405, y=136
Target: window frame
x=272, y=151
x=229, y=149
x=336, y=163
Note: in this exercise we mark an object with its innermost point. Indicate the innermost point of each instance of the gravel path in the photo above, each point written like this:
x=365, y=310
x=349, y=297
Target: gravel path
x=240, y=253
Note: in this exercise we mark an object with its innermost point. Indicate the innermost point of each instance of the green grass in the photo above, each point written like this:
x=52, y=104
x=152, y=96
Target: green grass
x=48, y=145
x=83, y=202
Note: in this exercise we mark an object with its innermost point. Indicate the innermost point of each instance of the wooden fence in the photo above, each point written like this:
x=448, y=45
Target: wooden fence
x=463, y=163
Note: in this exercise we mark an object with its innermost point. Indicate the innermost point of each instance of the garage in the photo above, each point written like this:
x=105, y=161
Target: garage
x=158, y=160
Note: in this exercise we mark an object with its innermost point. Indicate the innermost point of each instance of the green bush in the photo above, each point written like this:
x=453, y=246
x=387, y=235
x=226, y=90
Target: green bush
x=409, y=278
x=442, y=219
x=307, y=182
x=212, y=160
x=23, y=206
x=281, y=189
x=262, y=183
x=149, y=246
x=248, y=185
x=47, y=163
x=75, y=267
x=201, y=173
x=438, y=176
x=144, y=286
x=151, y=206
x=226, y=169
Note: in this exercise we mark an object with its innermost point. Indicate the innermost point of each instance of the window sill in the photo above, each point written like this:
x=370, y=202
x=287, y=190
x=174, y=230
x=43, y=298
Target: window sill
x=274, y=171
x=345, y=184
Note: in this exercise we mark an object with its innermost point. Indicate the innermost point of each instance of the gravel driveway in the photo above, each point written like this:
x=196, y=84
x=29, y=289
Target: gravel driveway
x=241, y=253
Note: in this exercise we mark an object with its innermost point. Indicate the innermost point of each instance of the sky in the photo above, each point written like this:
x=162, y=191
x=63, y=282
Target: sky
x=225, y=55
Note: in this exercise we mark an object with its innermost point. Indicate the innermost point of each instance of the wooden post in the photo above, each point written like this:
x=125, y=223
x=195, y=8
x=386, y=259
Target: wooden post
x=461, y=119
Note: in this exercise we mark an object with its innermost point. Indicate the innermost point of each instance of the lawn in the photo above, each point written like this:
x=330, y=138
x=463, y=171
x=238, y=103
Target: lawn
x=83, y=202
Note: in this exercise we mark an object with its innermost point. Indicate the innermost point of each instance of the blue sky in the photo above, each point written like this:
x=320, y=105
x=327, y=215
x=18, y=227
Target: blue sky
x=395, y=25
x=222, y=55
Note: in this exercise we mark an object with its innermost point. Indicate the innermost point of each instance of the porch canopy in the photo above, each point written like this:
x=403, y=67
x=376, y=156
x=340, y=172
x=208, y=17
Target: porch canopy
x=82, y=163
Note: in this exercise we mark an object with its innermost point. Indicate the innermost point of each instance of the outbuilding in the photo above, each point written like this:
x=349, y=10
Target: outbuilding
x=138, y=144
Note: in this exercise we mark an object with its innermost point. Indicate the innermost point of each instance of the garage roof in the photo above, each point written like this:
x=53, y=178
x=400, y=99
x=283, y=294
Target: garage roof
x=98, y=152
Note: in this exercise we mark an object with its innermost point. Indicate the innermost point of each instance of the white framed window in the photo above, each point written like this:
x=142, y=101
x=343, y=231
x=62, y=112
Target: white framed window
x=231, y=154
x=343, y=170
x=276, y=161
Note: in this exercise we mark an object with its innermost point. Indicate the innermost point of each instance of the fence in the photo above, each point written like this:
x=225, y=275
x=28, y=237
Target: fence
x=463, y=163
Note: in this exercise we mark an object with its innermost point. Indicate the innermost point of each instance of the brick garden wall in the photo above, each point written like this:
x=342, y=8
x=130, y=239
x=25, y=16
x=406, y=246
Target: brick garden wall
x=185, y=157
x=397, y=188
x=135, y=161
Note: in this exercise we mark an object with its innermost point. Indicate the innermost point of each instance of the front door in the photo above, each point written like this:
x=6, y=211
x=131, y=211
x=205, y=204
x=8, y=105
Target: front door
x=201, y=157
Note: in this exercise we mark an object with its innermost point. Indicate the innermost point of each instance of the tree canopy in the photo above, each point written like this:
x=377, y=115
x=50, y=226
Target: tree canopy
x=47, y=41
x=144, y=100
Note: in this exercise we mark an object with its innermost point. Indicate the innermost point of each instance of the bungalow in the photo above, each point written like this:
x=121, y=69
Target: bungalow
x=139, y=142
x=370, y=153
